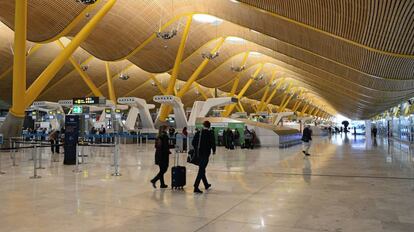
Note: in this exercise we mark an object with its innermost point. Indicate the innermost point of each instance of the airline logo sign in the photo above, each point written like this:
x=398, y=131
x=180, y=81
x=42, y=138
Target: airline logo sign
x=123, y=100
x=67, y=103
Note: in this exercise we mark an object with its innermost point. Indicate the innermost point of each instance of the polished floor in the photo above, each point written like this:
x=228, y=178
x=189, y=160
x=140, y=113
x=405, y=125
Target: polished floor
x=348, y=184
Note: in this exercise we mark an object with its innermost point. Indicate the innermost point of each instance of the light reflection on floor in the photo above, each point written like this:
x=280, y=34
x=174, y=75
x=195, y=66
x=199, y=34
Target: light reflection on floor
x=348, y=184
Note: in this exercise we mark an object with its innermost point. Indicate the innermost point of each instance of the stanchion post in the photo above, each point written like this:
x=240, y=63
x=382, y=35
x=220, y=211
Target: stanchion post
x=1, y=172
x=137, y=140
x=34, y=155
x=116, y=158
x=40, y=159
x=82, y=154
x=77, y=169
x=14, y=153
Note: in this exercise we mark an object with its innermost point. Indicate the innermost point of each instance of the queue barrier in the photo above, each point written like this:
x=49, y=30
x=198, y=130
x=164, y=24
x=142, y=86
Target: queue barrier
x=36, y=156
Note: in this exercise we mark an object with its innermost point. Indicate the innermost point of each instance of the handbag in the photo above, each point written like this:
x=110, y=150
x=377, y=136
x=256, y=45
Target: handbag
x=193, y=155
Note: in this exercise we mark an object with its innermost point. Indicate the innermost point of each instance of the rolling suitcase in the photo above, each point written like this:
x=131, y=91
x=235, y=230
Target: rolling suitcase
x=178, y=174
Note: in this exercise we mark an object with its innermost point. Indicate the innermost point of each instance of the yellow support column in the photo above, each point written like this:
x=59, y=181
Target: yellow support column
x=269, y=109
x=111, y=89
x=311, y=111
x=88, y=81
x=47, y=75
x=272, y=95
x=159, y=85
x=241, y=106
x=305, y=107
x=243, y=90
x=238, y=108
x=201, y=91
x=285, y=97
x=262, y=106
x=176, y=69
x=237, y=79
x=199, y=69
x=19, y=60
x=254, y=107
x=287, y=102
x=298, y=102
x=316, y=112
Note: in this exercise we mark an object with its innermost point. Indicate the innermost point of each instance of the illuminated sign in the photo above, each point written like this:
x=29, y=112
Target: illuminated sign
x=86, y=101
x=77, y=109
x=108, y=113
x=118, y=111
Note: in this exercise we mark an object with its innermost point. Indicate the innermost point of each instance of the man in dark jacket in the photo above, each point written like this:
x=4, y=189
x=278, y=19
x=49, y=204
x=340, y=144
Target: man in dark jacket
x=162, y=153
x=306, y=138
x=203, y=145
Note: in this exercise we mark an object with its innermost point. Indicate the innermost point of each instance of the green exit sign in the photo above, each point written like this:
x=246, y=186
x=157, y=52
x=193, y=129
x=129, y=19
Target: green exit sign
x=77, y=109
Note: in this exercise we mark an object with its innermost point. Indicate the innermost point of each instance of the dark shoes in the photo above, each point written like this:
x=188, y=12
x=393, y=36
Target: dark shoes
x=208, y=186
x=307, y=154
x=304, y=152
x=164, y=186
x=197, y=190
x=153, y=184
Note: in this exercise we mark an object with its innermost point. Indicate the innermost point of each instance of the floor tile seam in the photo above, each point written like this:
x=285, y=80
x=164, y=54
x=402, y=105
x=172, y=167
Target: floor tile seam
x=133, y=209
x=235, y=205
x=319, y=175
x=272, y=225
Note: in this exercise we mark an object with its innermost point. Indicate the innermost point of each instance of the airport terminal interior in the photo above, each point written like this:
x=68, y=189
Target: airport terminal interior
x=207, y=115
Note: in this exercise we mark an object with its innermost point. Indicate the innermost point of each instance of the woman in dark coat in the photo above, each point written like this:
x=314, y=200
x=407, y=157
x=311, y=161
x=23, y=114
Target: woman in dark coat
x=162, y=153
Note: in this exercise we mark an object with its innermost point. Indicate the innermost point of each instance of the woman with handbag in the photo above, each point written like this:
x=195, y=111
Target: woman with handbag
x=204, y=142
x=162, y=153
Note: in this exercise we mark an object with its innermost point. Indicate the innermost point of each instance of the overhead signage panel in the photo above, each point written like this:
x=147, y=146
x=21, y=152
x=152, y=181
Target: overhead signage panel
x=86, y=101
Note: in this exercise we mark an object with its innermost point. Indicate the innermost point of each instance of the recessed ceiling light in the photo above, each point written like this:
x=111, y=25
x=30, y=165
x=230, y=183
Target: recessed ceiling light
x=205, y=18
x=235, y=40
x=255, y=54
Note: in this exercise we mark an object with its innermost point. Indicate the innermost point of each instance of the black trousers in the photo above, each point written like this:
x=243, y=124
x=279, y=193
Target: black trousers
x=54, y=146
x=160, y=175
x=201, y=175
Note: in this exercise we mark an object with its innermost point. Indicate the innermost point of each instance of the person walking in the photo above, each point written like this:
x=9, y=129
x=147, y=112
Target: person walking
x=185, y=136
x=306, y=138
x=204, y=143
x=374, y=132
x=236, y=138
x=230, y=139
x=54, y=145
x=162, y=153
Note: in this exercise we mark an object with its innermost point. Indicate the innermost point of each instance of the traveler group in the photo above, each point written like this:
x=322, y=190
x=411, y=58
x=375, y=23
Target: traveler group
x=203, y=146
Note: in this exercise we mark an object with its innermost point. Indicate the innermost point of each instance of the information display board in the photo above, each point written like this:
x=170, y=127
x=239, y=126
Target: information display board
x=72, y=124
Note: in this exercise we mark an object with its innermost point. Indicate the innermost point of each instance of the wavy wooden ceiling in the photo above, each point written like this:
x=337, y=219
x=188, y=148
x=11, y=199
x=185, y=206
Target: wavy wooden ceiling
x=357, y=55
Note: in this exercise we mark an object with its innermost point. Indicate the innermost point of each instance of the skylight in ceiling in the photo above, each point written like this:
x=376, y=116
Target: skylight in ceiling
x=205, y=18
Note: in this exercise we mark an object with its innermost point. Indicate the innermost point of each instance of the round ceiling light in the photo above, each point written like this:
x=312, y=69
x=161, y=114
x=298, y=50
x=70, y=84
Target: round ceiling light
x=205, y=18
x=235, y=40
x=255, y=54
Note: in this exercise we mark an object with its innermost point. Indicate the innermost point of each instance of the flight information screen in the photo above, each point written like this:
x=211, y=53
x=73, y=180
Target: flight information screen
x=86, y=101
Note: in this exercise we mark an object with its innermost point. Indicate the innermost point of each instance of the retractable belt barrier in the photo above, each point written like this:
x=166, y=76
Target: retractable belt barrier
x=33, y=142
